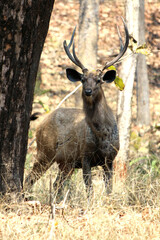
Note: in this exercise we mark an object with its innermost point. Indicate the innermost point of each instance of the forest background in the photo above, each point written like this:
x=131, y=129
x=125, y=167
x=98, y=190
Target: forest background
x=118, y=216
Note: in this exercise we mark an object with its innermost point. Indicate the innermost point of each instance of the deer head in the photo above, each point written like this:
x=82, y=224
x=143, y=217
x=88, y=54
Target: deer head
x=92, y=80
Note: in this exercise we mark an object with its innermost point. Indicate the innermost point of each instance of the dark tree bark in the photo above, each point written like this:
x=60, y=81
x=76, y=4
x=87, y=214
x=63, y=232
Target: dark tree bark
x=23, y=28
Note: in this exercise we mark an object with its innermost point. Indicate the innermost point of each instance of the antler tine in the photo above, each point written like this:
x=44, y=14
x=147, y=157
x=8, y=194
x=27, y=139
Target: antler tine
x=123, y=49
x=66, y=48
x=77, y=60
x=72, y=38
x=120, y=39
x=73, y=58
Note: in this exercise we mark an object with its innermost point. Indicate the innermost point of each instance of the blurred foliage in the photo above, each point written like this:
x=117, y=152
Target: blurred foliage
x=30, y=134
x=38, y=91
x=136, y=140
x=157, y=126
x=45, y=106
x=149, y=165
x=28, y=161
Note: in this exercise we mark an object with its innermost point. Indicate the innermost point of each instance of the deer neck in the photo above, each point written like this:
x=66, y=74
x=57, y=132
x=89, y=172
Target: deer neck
x=98, y=114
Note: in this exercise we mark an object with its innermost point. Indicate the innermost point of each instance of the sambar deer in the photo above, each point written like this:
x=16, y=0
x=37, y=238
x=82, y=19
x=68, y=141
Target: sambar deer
x=80, y=138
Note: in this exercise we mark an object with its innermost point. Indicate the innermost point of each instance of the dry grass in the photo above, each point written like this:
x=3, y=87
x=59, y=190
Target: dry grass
x=100, y=222
x=132, y=215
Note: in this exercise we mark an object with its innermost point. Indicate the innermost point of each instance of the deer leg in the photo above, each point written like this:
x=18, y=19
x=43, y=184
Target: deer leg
x=58, y=184
x=61, y=181
x=107, y=176
x=86, y=167
x=39, y=168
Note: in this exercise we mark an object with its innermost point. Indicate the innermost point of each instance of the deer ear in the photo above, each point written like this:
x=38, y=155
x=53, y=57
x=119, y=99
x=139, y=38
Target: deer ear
x=73, y=75
x=109, y=76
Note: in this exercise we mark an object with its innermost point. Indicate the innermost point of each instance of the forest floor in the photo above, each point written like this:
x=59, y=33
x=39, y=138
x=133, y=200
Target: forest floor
x=136, y=213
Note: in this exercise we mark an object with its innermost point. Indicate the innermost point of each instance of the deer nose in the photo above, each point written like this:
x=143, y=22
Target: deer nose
x=88, y=92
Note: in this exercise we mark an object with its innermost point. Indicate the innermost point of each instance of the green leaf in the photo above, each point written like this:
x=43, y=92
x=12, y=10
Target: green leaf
x=143, y=49
x=119, y=83
x=133, y=46
x=45, y=106
x=112, y=68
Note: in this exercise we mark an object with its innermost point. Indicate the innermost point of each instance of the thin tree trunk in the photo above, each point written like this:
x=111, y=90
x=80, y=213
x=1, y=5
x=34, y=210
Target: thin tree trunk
x=88, y=32
x=127, y=73
x=88, y=37
x=143, y=112
x=24, y=26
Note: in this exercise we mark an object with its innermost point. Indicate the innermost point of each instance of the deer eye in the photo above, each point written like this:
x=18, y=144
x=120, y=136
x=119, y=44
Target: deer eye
x=82, y=79
x=98, y=80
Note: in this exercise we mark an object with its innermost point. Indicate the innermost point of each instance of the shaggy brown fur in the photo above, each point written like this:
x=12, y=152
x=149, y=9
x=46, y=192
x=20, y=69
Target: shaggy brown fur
x=76, y=138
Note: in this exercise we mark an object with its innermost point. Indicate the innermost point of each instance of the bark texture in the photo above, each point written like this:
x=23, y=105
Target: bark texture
x=88, y=37
x=24, y=26
x=127, y=73
x=88, y=32
x=143, y=112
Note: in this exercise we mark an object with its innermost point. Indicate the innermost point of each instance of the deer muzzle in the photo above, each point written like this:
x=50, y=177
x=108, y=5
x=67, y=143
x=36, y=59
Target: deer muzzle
x=88, y=92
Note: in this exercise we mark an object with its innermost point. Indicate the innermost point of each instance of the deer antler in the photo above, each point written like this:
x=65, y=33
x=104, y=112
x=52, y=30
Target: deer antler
x=73, y=58
x=123, y=48
x=77, y=62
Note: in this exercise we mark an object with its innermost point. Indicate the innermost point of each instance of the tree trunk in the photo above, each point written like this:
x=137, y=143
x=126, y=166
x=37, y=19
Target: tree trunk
x=24, y=26
x=88, y=32
x=143, y=113
x=127, y=73
x=88, y=37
